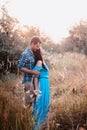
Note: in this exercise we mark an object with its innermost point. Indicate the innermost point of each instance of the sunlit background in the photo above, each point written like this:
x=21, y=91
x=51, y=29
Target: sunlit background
x=51, y=20
x=54, y=17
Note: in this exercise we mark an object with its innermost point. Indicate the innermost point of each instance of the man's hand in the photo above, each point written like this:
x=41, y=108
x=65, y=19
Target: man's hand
x=36, y=72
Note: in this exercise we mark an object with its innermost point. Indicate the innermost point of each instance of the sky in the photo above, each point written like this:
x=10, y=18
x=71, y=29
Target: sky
x=54, y=17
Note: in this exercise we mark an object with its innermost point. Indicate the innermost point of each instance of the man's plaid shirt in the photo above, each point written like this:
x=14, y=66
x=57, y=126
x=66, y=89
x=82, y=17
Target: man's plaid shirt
x=27, y=61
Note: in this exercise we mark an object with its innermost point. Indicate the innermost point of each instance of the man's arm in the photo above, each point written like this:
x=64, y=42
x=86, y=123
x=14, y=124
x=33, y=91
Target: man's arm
x=22, y=68
x=28, y=71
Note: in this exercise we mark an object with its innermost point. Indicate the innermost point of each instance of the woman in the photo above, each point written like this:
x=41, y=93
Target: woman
x=42, y=102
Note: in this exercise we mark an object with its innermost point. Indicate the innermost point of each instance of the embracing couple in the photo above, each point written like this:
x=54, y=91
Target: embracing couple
x=35, y=81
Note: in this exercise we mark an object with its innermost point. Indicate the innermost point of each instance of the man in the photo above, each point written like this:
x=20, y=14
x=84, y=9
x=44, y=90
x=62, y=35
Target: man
x=26, y=64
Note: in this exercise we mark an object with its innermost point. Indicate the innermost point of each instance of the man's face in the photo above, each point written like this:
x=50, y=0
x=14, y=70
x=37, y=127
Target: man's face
x=35, y=46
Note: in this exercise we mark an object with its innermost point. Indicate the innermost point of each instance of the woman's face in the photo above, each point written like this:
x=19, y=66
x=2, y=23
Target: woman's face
x=42, y=51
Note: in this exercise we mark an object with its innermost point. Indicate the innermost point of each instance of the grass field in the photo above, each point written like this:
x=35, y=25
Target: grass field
x=68, y=111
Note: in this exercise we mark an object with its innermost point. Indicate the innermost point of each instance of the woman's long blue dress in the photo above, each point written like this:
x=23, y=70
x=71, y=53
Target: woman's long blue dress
x=42, y=103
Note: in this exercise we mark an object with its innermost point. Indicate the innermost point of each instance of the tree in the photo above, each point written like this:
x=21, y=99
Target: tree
x=77, y=40
x=7, y=25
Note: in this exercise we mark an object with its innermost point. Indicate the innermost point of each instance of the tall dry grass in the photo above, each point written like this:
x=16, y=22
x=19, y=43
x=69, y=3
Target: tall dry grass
x=68, y=76
x=12, y=114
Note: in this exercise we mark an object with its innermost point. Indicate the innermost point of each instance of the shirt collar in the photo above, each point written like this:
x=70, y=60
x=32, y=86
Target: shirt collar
x=30, y=51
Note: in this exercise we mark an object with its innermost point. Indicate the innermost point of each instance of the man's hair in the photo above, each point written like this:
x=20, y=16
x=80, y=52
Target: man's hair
x=35, y=40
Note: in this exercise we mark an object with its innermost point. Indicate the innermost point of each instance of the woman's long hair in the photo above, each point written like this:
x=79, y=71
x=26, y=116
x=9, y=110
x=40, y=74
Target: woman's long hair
x=37, y=55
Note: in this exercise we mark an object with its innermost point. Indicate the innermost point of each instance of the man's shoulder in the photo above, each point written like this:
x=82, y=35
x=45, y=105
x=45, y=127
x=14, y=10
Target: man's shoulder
x=26, y=52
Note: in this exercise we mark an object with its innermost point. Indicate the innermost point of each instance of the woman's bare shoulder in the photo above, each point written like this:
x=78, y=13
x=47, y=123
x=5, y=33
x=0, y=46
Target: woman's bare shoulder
x=39, y=63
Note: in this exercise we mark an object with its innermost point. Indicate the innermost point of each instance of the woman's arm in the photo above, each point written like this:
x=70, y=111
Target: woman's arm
x=36, y=85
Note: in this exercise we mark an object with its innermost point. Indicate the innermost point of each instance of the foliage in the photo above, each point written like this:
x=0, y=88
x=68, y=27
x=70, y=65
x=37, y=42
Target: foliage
x=77, y=39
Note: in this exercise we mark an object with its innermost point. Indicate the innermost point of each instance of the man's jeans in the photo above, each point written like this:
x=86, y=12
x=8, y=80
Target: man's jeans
x=29, y=93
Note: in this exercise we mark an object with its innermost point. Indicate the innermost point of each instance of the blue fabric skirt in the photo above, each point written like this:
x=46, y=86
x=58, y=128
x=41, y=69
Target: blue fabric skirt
x=41, y=104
